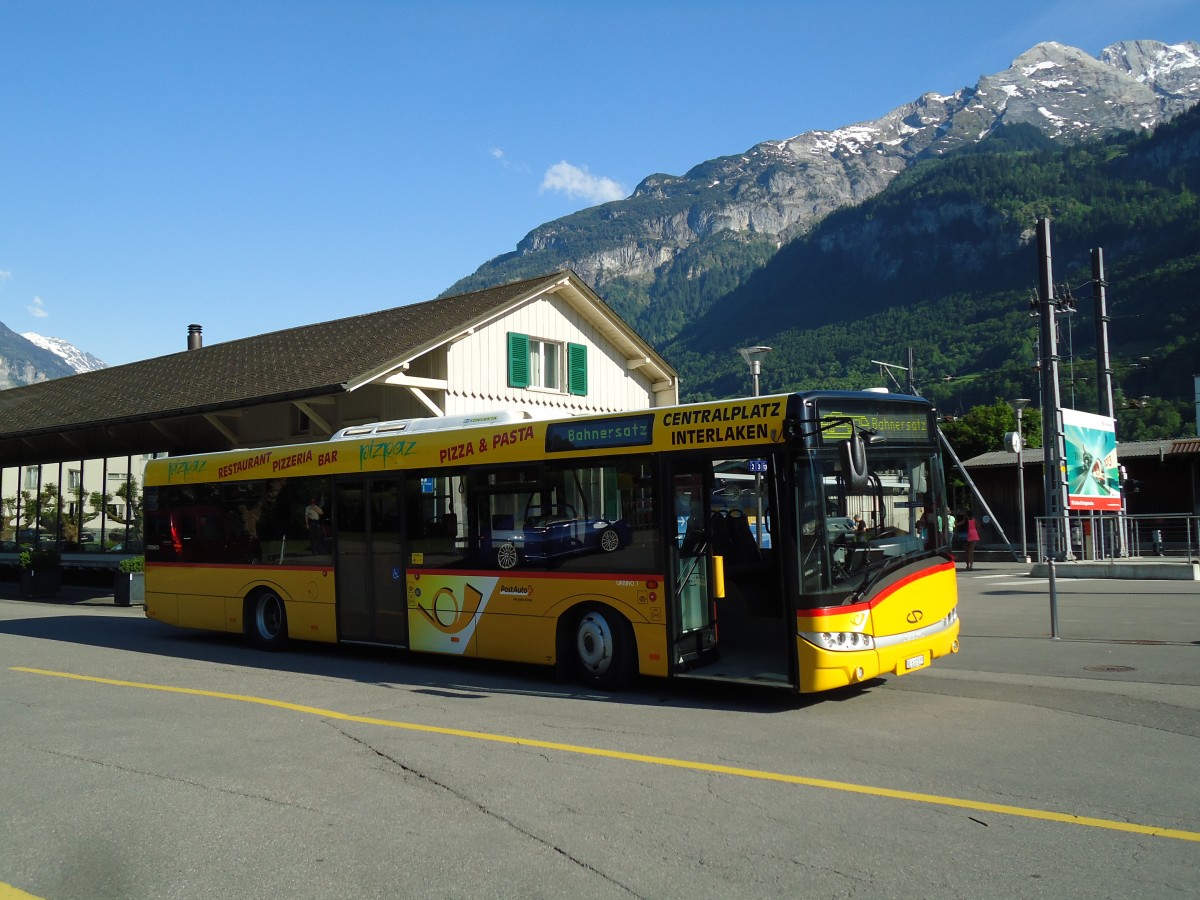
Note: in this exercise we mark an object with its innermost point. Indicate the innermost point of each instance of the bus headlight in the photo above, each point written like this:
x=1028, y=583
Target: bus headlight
x=951, y=618
x=839, y=640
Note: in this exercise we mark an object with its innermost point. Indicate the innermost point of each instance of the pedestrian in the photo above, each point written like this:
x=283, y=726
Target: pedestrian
x=972, y=538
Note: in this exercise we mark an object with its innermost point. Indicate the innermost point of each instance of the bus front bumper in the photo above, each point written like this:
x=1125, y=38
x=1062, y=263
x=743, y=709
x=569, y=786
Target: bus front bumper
x=823, y=670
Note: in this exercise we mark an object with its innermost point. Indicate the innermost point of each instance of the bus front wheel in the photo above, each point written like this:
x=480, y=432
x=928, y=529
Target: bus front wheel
x=605, y=648
x=264, y=620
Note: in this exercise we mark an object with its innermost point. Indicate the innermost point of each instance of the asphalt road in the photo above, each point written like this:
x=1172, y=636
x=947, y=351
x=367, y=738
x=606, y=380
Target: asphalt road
x=143, y=761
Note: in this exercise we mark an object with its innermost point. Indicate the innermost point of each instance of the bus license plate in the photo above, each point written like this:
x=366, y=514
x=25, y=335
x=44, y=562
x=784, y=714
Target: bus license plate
x=915, y=662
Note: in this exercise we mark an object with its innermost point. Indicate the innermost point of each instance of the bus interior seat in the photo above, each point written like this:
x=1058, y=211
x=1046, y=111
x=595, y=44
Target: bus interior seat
x=733, y=539
x=743, y=538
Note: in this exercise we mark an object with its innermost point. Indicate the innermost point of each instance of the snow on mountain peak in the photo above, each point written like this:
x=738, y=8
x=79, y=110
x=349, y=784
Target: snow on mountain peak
x=79, y=360
x=1044, y=64
x=1155, y=62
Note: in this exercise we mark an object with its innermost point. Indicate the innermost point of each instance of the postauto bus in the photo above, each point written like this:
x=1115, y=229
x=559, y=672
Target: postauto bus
x=707, y=541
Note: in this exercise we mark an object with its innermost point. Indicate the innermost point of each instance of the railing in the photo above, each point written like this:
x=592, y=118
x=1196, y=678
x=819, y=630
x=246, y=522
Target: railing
x=1119, y=536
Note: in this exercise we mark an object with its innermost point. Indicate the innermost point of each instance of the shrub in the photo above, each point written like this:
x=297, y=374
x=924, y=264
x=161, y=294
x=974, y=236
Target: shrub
x=132, y=564
x=35, y=558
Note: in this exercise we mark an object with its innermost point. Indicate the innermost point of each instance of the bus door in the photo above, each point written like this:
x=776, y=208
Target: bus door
x=371, y=596
x=729, y=598
x=692, y=593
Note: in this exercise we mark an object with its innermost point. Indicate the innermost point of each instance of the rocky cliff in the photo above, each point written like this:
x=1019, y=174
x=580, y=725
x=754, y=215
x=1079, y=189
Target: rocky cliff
x=631, y=250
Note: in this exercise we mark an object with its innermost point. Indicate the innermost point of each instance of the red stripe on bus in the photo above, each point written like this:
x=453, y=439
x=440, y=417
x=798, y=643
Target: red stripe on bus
x=247, y=566
x=883, y=595
x=557, y=576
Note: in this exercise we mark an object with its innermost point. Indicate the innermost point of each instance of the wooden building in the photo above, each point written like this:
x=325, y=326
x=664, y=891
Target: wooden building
x=549, y=344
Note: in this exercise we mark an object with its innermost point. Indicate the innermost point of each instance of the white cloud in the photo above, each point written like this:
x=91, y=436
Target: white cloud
x=498, y=154
x=577, y=181
x=37, y=308
x=5, y=274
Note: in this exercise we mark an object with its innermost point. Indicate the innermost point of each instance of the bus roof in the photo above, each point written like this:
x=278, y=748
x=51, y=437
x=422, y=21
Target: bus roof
x=514, y=436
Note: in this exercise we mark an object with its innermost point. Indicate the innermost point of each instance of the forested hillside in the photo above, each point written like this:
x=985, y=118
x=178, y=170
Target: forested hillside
x=945, y=261
x=670, y=252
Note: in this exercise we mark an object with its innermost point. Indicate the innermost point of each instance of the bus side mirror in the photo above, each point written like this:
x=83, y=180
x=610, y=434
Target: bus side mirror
x=853, y=455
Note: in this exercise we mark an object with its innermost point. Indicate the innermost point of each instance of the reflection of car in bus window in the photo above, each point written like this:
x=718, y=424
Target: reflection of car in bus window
x=547, y=532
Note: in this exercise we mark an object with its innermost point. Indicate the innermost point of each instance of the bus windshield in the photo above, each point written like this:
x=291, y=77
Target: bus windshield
x=846, y=536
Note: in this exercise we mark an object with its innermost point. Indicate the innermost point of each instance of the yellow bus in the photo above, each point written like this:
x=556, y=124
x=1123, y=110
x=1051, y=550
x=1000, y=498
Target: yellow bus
x=792, y=540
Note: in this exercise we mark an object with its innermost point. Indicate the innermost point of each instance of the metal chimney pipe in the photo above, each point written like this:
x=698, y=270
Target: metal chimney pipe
x=195, y=340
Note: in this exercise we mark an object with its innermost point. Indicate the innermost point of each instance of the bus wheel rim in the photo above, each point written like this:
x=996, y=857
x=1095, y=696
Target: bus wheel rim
x=594, y=643
x=268, y=618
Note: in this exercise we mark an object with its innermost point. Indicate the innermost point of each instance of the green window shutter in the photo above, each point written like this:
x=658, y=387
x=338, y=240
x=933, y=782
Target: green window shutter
x=518, y=360
x=577, y=369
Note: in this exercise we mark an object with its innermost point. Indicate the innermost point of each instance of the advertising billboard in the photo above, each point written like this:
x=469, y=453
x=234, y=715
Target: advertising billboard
x=1093, y=474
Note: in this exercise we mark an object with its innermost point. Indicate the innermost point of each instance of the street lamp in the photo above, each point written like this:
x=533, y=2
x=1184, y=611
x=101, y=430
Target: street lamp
x=754, y=357
x=1017, y=444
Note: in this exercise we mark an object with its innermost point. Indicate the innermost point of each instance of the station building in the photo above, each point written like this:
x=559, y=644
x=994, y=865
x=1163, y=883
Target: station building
x=1161, y=495
x=73, y=450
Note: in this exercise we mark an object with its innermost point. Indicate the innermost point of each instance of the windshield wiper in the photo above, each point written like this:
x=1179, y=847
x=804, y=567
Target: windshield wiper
x=874, y=571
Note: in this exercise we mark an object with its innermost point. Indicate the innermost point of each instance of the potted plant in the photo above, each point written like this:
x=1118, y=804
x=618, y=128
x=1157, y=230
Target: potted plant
x=41, y=575
x=129, y=587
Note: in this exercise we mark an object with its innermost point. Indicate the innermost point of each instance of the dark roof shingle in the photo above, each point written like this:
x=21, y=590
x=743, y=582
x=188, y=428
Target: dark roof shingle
x=296, y=362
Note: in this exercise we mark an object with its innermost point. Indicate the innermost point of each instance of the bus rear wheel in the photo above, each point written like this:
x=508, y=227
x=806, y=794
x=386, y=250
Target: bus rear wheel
x=605, y=648
x=264, y=620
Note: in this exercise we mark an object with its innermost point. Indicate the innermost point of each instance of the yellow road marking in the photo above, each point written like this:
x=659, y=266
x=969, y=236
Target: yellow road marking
x=759, y=774
x=8, y=892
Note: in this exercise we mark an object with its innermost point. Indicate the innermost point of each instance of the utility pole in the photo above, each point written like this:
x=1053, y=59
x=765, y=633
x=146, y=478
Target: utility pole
x=911, y=387
x=1053, y=434
x=1104, y=372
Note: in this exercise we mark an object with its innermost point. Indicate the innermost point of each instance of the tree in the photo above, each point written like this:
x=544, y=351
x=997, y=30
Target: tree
x=8, y=518
x=982, y=429
x=132, y=496
x=1151, y=419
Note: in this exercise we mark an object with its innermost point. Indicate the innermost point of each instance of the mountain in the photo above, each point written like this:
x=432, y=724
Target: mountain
x=78, y=360
x=944, y=261
x=666, y=254
x=23, y=362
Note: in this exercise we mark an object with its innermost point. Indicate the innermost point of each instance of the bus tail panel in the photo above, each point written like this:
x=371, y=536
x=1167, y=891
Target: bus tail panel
x=212, y=598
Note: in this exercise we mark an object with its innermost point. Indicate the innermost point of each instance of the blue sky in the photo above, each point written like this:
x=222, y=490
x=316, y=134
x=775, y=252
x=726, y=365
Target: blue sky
x=254, y=165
